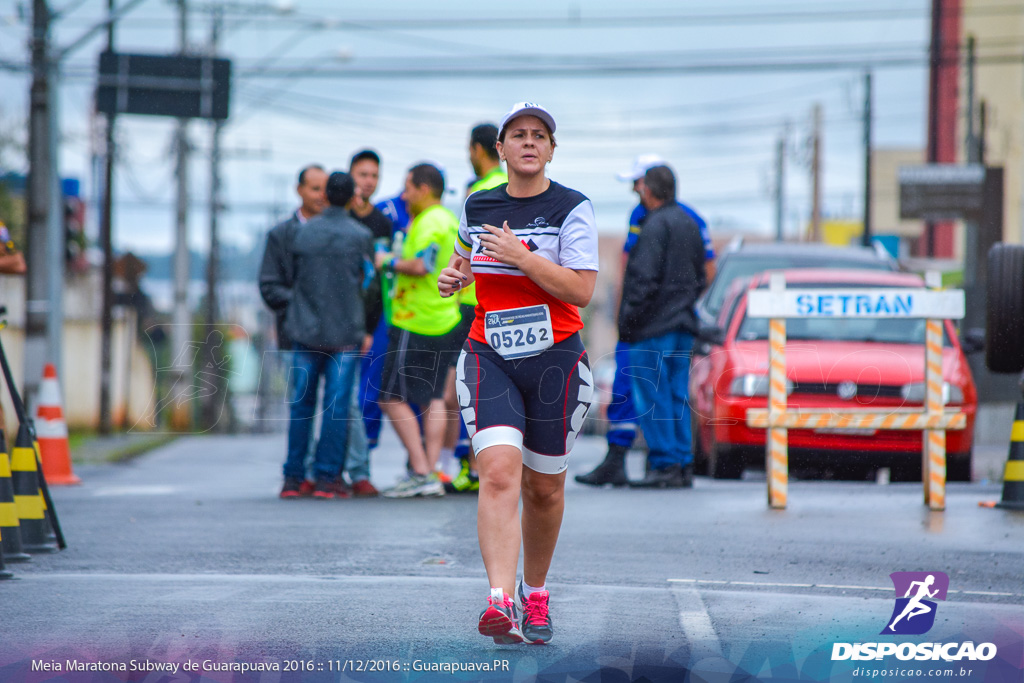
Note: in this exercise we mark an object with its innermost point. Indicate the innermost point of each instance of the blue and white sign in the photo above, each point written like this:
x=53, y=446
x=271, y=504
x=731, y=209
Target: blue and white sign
x=856, y=303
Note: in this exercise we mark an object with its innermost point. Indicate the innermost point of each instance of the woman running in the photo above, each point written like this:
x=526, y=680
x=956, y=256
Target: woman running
x=523, y=379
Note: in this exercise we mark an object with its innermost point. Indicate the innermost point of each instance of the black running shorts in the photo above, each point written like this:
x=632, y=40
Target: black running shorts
x=537, y=404
x=465, y=325
x=416, y=365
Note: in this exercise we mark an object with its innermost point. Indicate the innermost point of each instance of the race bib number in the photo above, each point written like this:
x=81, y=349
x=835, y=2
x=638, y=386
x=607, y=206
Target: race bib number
x=519, y=332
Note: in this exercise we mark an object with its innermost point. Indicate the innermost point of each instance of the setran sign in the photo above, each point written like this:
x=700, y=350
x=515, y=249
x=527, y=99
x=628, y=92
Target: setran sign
x=159, y=85
x=939, y=192
x=856, y=303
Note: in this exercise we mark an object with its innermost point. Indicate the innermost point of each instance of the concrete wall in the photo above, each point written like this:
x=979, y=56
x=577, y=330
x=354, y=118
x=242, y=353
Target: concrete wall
x=885, y=195
x=132, y=377
x=1001, y=85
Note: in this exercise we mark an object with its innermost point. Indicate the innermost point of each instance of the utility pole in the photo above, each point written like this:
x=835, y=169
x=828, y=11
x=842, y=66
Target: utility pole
x=975, y=272
x=215, y=160
x=970, y=143
x=866, y=236
x=107, y=244
x=816, y=173
x=982, y=126
x=780, y=183
x=935, y=51
x=44, y=208
x=211, y=417
x=181, y=335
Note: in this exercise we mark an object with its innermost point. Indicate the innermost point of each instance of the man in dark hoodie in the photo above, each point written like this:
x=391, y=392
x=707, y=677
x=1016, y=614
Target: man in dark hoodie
x=326, y=319
x=664, y=276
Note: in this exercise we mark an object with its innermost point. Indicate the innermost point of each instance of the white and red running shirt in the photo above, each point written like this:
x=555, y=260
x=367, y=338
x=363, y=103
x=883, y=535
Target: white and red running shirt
x=557, y=224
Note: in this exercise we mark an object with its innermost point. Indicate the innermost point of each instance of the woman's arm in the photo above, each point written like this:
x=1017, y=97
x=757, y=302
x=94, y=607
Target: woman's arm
x=574, y=287
x=455, y=276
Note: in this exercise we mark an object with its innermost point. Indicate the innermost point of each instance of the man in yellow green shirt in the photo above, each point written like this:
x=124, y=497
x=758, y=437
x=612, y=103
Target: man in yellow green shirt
x=483, y=155
x=422, y=340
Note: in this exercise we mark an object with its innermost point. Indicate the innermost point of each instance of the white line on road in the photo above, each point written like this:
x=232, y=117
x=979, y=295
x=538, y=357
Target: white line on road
x=696, y=624
x=829, y=586
x=134, y=491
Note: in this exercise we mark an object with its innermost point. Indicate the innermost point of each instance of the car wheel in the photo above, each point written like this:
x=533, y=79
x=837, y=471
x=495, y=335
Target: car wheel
x=700, y=456
x=1004, y=309
x=907, y=471
x=958, y=466
x=724, y=463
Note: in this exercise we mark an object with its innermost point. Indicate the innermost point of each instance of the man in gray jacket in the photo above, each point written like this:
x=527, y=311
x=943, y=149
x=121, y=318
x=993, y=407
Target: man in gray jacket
x=664, y=276
x=277, y=268
x=326, y=320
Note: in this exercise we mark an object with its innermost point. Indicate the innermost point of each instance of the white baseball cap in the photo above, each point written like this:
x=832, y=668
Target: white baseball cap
x=641, y=165
x=527, y=109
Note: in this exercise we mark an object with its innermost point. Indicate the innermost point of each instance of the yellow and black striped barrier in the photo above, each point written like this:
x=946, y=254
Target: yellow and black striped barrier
x=10, y=533
x=4, y=574
x=1013, y=477
x=28, y=497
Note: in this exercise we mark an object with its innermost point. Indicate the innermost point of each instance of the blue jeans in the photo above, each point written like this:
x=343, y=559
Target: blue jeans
x=339, y=371
x=369, y=384
x=357, y=462
x=661, y=379
x=621, y=411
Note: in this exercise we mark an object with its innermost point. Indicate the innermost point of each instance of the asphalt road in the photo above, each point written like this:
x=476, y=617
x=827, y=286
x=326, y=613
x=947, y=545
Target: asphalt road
x=186, y=555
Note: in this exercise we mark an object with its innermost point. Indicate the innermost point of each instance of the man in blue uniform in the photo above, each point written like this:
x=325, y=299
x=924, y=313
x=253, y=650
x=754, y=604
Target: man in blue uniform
x=622, y=415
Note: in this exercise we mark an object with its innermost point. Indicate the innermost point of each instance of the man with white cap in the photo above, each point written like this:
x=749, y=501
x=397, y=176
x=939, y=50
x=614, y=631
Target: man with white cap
x=622, y=415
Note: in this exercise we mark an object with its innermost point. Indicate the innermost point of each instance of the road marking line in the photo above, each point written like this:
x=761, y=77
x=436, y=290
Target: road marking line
x=696, y=624
x=135, y=491
x=765, y=584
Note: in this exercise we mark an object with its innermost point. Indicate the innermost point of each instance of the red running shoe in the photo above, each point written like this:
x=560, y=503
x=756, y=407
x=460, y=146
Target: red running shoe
x=500, y=620
x=536, y=627
x=306, y=488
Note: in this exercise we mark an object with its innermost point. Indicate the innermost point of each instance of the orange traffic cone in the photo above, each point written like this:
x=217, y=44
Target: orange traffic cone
x=52, y=432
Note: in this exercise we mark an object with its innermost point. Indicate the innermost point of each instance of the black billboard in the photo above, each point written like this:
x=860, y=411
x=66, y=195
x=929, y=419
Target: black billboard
x=160, y=85
x=940, y=192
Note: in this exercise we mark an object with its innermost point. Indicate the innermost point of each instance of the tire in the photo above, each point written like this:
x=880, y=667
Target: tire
x=700, y=456
x=907, y=471
x=724, y=463
x=958, y=466
x=1004, y=309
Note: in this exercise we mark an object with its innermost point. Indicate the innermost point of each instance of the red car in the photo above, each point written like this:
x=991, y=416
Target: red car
x=830, y=363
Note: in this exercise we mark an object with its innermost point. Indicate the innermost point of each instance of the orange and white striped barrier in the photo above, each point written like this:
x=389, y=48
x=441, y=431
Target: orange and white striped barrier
x=778, y=304
x=897, y=418
x=778, y=437
x=52, y=432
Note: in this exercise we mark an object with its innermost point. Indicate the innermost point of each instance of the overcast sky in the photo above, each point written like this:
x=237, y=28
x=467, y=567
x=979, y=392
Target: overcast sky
x=703, y=83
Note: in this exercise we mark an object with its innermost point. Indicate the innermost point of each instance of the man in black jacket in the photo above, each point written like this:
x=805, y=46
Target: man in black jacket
x=278, y=267
x=326, y=319
x=664, y=276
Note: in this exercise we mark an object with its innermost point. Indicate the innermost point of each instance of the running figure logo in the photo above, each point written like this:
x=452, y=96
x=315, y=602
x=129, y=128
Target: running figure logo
x=914, y=613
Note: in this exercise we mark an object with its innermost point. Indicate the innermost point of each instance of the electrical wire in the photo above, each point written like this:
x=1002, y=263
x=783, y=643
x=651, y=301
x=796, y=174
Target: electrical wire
x=752, y=15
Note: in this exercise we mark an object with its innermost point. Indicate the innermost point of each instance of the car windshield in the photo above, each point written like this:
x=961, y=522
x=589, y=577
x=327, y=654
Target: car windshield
x=746, y=265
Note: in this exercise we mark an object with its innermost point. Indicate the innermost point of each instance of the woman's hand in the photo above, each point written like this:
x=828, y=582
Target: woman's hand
x=452, y=279
x=503, y=245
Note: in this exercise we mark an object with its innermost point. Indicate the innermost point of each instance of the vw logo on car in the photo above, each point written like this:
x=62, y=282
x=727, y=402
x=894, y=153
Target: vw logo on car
x=846, y=390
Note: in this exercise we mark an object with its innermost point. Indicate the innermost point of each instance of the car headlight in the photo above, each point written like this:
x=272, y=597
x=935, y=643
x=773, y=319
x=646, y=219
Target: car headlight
x=914, y=393
x=754, y=385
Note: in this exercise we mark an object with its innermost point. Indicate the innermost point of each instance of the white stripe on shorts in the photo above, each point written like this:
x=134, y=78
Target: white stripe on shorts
x=500, y=435
x=545, y=464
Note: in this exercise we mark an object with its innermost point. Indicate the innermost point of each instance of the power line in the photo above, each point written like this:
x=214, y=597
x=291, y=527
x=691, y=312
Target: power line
x=754, y=15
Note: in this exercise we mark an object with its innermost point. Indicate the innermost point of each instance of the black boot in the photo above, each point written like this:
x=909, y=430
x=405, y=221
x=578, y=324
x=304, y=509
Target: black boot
x=672, y=477
x=612, y=469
